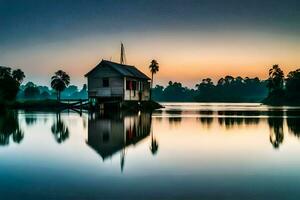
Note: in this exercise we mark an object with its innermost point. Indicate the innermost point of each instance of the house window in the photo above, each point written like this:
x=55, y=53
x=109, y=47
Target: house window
x=105, y=82
x=134, y=83
x=141, y=86
x=128, y=85
x=131, y=85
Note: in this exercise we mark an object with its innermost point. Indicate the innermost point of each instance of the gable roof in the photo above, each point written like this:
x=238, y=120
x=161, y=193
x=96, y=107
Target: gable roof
x=124, y=70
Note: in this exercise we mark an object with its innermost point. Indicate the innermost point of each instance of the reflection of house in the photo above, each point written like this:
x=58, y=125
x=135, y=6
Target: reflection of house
x=114, y=81
x=108, y=136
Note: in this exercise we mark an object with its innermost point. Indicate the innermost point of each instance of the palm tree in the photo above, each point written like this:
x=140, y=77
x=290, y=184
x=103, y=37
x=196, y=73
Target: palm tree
x=276, y=79
x=18, y=75
x=59, y=82
x=154, y=68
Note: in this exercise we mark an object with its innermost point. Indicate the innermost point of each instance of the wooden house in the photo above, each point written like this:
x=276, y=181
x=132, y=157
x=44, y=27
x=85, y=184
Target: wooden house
x=110, y=81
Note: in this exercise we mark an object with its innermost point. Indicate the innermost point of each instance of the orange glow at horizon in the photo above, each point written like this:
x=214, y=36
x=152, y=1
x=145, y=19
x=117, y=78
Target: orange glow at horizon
x=184, y=57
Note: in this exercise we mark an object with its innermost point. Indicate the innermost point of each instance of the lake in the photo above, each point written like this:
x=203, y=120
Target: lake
x=183, y=151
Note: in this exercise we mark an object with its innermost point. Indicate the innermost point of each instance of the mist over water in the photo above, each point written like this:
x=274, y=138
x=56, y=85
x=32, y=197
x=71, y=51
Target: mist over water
x=189, y=150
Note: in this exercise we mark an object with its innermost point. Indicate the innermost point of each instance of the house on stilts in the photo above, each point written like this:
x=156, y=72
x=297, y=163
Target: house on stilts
x=114, y=82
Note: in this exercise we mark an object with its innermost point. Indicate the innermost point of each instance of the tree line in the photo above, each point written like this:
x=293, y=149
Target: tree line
x=277, y=89
x=283, y=90
x=227, y=89
x=11, y=87
x=31, y=91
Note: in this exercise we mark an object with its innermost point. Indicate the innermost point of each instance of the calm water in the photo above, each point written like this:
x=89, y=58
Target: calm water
x=184, y=151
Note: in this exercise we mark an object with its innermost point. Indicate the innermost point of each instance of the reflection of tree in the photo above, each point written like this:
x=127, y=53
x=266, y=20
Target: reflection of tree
x=234, y=118
x=30, y=119
x=294, y=125
x=276, y=128
x=206, y=117
x=59, y=129
x=230, y=122
x=175, y=116
x=9, y=126
x=154, y=144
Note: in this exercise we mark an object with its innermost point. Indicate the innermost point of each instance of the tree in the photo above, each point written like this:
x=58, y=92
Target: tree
x=69, y=91
x=59, y=82
x=31, y=92
x=157, y=93
x=154, y=68
x=18, y=75
x=5, y=72
x=9, y=83
x=276, y=79
x=293, y=84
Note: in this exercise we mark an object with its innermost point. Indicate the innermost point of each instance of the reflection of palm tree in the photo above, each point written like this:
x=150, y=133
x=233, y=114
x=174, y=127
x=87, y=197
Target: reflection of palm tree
x=276, y=134
x=60, y=130
x=154, y=144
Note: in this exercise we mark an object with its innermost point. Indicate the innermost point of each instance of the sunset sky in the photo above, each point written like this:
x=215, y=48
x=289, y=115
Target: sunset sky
x=190, y=39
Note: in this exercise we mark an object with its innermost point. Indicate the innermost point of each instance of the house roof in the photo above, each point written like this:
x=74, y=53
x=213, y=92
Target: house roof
x=108, y=151
x=124, y=70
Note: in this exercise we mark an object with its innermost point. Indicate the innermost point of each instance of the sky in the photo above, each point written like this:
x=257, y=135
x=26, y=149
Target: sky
x=191, y=39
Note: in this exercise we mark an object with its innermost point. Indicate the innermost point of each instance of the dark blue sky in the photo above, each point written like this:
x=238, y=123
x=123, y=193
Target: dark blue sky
x=25, y=24
x=26, y=20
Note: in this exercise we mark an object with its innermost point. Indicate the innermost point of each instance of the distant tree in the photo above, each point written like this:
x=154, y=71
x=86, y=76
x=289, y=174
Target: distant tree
x=158, y=93
x=83, y=92
x=84, y=87
x=31, y=92
x=230, y=89
x=228, y=80
x=44, y=89
x=154, y=68
x=293, y=84
x=276, y=79
x=59, y=82
x=176, y=92
x=206, y=83
x=30, y=84
x=205, y=90
x=45, y=95
x=69, y=91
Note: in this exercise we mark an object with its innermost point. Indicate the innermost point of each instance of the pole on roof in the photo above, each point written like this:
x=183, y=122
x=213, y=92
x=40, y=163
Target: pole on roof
x=123, y=56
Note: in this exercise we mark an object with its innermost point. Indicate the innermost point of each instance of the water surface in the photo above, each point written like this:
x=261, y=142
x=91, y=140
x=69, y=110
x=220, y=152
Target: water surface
x=184, y=151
